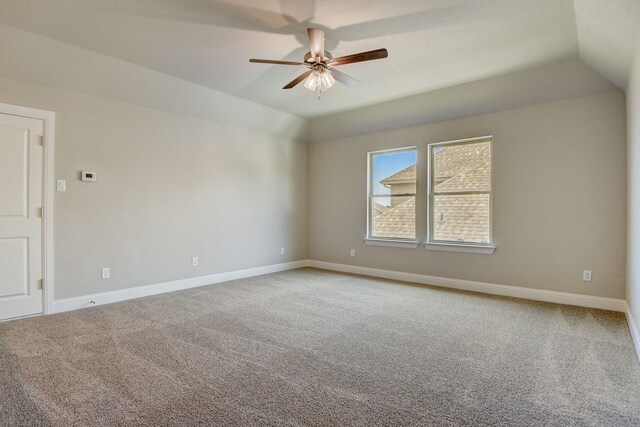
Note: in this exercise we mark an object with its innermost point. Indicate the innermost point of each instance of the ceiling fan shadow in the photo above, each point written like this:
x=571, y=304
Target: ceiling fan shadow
x=228, y=15
x=440, y=17
x=216, y=13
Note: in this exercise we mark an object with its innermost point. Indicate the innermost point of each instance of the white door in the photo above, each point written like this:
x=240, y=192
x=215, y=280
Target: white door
x=21, y=198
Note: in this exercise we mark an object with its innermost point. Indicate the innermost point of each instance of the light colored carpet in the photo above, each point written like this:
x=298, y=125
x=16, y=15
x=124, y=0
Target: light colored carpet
x=310, y=347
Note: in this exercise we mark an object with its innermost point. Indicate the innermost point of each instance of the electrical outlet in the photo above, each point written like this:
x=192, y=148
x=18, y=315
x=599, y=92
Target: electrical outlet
x=194, y=261
x=281, y=251
x=586, y=275
x=106, y=273
x=353, y=252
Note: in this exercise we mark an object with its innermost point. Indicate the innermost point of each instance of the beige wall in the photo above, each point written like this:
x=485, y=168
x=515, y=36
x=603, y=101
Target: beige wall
x=169, y=187
x=183, y=170
x=559, y=197
x=633, y=243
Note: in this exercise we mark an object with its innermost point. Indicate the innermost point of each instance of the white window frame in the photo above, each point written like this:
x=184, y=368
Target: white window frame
x=397, y=242
x=453, y=246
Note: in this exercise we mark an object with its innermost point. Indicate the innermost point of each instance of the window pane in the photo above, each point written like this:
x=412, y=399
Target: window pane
x=461, y=218
x=393, y=217
x=393, y=173
x=462, y=167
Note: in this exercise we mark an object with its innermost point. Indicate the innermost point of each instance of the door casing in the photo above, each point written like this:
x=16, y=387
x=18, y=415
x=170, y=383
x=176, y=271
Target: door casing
x=48, y=118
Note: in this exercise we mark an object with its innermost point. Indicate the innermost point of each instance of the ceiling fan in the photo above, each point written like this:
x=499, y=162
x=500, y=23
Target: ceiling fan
x=321, y=74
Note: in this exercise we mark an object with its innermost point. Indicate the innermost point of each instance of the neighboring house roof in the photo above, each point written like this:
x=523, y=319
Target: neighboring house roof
x=397, y=222
x=476, y=179
x=454, y=159
x=461, y=218
x=456, y=217
x=379, y=209
x=407, y=174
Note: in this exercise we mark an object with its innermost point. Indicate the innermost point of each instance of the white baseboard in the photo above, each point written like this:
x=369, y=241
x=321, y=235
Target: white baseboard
x=633, y=328
x=467, y=285
x=85, y=301
x=487, y=288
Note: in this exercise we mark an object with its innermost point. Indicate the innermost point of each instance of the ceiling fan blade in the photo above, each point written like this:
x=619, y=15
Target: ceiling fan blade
x=359, y=57
x=316, y=43
x=270, y=61
x=343, y=78
x=297, y=80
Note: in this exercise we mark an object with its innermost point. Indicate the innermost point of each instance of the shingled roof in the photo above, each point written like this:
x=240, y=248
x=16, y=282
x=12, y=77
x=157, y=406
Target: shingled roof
x=407, y=174
x=476, y=179
x=461, y=218
x=455, y=159
x=397, y=222
x=465, y=218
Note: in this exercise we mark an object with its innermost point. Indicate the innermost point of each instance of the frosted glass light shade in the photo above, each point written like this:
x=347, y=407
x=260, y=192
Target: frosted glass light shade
x=327, y=79
x=313, y=81
x=319, y=79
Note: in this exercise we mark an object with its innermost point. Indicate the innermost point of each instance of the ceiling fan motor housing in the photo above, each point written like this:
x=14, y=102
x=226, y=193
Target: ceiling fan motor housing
x=309, y=58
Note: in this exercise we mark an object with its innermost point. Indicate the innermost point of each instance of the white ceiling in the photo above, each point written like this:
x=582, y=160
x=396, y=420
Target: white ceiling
x=432, y=43
x=608, y=33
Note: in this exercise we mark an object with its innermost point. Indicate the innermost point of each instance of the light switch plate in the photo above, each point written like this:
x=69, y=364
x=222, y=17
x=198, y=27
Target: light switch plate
x=61, y=185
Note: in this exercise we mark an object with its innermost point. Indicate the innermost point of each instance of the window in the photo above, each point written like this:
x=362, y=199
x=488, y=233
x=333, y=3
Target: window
x=392, y=196
x=460, y=193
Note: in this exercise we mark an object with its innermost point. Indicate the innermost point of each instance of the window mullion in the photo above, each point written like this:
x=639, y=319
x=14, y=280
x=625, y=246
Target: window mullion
x=394, y=195
x=461, y=193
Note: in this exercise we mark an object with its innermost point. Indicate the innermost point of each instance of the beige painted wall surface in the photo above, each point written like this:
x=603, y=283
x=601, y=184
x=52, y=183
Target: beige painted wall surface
x=169, y=187
x=633, y=243
x=559, y=198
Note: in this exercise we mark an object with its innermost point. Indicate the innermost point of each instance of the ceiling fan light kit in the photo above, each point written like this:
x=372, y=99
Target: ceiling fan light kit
x=319, y=80
x=321, y=74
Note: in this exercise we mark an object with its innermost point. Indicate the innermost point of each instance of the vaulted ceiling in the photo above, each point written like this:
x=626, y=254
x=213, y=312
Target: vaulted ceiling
x=432, y=44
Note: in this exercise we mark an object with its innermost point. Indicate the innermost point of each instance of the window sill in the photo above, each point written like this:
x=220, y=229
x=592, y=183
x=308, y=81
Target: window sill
x=412, y=244
x=469, y=249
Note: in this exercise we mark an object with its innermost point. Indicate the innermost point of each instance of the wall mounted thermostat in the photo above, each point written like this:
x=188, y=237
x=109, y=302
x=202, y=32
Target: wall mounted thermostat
x=88, y=176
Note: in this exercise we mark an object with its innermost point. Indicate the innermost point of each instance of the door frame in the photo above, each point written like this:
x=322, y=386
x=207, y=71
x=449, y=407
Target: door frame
x=48, y=118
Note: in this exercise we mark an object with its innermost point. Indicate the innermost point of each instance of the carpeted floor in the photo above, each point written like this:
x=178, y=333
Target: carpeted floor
x=310, y=347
